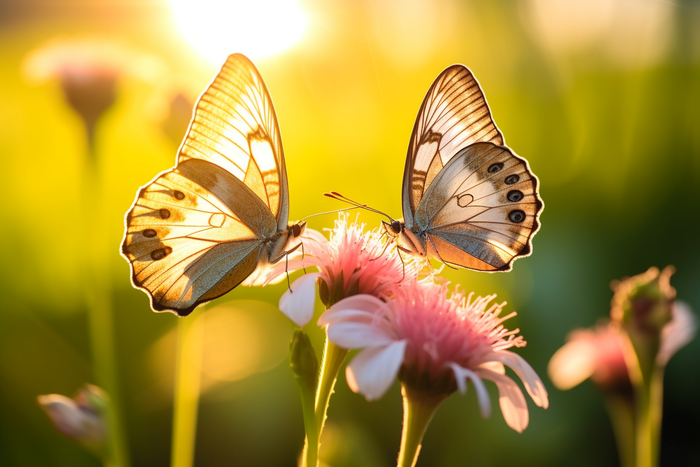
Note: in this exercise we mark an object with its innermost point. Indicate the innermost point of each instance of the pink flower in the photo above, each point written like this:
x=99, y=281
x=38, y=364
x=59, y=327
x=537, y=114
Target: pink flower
x=352, y=262
x=434, y=344
x=600, y=354
x=81, y=419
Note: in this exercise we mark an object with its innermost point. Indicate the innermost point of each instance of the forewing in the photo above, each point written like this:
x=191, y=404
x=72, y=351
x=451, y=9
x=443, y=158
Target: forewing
x=193, y=234
x=454, y=114
x=235, y=127
x=482, y=209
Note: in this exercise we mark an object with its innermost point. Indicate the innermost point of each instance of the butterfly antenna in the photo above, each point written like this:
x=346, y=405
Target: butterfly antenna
x=337, y=196
x=331, y=212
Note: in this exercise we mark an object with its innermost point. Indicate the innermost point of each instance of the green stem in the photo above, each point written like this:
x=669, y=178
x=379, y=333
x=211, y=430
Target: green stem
x=333, y=357
x=98, y=298
x=187, y=388
x=418, y=410
x=621, y=411
x=649, y=393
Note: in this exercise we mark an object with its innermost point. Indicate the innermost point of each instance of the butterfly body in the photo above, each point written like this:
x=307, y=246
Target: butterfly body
x=198, y=230
x=468, y=200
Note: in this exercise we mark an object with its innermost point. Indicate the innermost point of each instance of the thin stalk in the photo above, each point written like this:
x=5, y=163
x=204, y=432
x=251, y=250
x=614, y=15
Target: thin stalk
x=188, y=357
x=333, y=357
x=418, y=410
x=621, y=411
x=98, y=299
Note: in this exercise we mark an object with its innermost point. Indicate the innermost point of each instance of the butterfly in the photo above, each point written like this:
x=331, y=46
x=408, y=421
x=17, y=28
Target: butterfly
x=198, y=230
x=468, y=200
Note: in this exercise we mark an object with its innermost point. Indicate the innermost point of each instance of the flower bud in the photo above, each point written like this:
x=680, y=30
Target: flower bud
x=644, y=303
x=303, y=360
x=81, y=419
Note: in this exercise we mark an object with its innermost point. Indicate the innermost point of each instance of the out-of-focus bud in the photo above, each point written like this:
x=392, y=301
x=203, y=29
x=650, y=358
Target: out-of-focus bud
x=644, y=303
x=303, y=360
x=178, y=116
x=81, y=419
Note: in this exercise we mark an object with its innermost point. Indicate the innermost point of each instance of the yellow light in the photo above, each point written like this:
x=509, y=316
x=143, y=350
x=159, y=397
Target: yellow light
x=257, y=28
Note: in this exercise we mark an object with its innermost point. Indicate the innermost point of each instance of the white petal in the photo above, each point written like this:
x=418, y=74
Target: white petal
x=511, y=399
x=677, y=333
x=298, y=302
x=533, y=383
x=361, y=304
x=373, y=370
x=352, y=335
x=482, y=396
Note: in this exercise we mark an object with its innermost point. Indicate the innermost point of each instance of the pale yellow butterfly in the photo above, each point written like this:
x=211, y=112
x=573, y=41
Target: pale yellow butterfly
x=198, y=230
x=468, y=200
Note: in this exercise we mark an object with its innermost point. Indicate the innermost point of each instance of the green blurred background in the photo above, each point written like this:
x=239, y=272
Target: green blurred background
x=601, y=96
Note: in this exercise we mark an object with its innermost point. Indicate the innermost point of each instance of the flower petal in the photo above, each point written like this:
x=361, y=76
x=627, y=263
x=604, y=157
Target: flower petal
x=362, y=304
x=298, y=302
x=353, y=335
x=533, y=383
x=482, y=396
x=511, y=399
x=677, y=333
x=572, y=364
x=373, y=370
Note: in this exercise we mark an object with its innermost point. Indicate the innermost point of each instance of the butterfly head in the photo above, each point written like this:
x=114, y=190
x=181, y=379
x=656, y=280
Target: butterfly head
x=393, y=228
x=295, y=230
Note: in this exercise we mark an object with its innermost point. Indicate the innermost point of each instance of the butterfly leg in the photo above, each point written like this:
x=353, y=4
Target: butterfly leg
x=386, y=245
x=399, y=249
x=286, y=263
x=438, y=254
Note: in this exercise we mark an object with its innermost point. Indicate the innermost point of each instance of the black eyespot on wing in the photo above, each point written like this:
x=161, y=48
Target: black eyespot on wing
x=150, y=233
x=161, y=253
x=516, y=216
x=494, y=168
x=512, y=179
x=164, y=213
x=179, y=195
x=515, y=196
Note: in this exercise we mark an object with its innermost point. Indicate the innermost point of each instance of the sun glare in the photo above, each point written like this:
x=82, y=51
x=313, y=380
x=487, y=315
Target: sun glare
x=257, y=28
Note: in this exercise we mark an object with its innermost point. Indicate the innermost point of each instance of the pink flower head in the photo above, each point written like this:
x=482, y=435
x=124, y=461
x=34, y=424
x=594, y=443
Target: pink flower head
x=352, y=262
x=434, y=344
x=601, y=354
x=81, y=419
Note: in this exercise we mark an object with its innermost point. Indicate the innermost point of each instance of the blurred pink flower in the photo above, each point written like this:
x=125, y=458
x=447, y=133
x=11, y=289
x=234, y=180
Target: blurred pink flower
x=81, y=419
x=352, y=262
x=434, y=344
x=600, y=354
x=677, y=333
x=88, y=70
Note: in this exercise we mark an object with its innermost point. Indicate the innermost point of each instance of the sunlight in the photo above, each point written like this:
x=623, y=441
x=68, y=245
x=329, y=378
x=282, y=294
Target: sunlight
x=217, y=28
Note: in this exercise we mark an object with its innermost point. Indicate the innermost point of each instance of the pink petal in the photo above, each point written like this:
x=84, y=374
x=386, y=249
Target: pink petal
x=496, y=367
x=373, y=370
x=533, y=383
x=572, y=364
x=482, y=396
x=298, y=302
x=677, y=333
x=511, y=399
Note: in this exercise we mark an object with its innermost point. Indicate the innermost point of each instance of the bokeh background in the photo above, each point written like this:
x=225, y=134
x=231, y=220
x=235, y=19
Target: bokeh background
x=601, y=96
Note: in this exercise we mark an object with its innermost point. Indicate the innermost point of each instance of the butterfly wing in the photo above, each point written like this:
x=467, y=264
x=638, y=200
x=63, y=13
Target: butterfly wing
x=235, y=127
x=198, y=230
x=453, y=115
x=482, y=209
x=193, y=234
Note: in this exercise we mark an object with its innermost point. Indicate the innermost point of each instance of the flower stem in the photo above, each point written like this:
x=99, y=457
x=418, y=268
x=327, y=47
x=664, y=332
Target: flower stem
x=98, y=299
x=621, y=411
x=187, y=388
x=418, y=410
x=333, y=357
